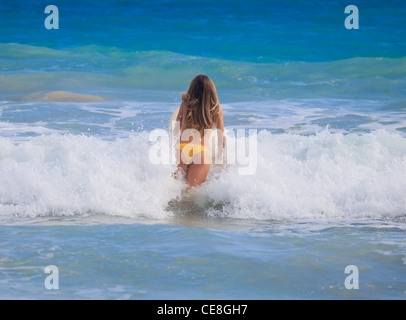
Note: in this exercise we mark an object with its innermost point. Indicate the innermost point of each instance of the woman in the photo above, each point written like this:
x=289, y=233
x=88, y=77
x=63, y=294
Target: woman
x=199, y=113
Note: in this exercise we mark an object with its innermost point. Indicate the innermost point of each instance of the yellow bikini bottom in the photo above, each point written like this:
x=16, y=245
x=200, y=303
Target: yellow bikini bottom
x=190, y=150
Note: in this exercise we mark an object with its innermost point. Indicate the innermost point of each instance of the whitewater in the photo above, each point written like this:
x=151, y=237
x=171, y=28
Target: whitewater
x=298, y=177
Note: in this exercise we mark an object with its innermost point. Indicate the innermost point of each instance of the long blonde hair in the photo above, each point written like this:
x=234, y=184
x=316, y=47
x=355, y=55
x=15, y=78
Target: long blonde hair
x=202, y=104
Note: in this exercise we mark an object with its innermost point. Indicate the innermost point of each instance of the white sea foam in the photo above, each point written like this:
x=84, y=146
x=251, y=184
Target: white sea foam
x=306, y=116
x=322, y=176
x=21, y=129
x=299, y=177
x=66, y=175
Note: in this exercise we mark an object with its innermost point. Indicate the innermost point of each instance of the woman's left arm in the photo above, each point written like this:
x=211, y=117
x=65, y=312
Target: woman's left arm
x=220, y=127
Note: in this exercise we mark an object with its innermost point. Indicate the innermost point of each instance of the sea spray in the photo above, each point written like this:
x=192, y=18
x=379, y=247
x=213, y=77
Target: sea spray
x=320, y=176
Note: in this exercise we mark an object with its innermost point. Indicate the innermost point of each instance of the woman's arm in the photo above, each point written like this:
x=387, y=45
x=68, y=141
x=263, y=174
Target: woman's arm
x=179, y=121
x=179, y=118
x=220, y=129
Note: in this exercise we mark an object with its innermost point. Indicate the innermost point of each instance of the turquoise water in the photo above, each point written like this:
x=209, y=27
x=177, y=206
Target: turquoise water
x=78, y=189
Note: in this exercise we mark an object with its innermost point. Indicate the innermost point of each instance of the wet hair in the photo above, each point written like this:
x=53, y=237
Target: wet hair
x=202, y=104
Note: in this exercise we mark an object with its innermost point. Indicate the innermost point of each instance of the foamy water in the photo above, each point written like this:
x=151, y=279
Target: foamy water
x=298, y=177
x=78, y=188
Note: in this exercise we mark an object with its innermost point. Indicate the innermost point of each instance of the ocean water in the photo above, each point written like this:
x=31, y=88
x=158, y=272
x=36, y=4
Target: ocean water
x=78, y=189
